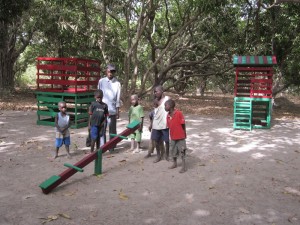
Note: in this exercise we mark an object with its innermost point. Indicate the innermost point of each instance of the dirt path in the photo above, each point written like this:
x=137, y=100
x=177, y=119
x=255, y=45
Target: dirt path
x=233, y=177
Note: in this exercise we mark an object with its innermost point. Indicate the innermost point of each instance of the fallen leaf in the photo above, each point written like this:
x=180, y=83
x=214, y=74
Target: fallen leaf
x=64, y=215
x=289, y=190
x=123, y=160
x=53, y=217
x=122, y=195
x=279, y=161
x=71, y=193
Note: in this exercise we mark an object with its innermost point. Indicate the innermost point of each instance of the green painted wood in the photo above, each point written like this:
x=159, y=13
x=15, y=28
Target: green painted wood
x=98, y=163
x=116, y=135
x=242, y=61
x=49, y=182
x=73, y=167
x=133, y=124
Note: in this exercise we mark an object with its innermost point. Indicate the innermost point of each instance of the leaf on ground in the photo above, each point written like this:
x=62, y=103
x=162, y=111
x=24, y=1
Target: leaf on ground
x=292, y=191
x=110, y=156
x=64, y=215
x=123, y=160
x=71, y=193
x=100, y=176
x=122, y=195
x=297, y=151
x=279, y=161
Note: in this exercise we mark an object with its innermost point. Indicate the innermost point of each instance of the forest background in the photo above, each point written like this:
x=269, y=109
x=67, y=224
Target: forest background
x=187, y=46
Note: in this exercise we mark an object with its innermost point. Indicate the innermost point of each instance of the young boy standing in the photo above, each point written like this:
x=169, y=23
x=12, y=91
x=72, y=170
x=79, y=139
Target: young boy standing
x=176, y=124
x=98, y=112
x=62, y=124
x=136, y=112
x=152, y=143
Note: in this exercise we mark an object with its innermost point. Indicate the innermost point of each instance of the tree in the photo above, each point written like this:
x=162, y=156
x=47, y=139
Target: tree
x=15, y=34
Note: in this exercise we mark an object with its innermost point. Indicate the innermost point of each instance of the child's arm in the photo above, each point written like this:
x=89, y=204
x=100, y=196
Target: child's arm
x=141, y=125
x=90, y=117
x=56, y=124
x=183, y=127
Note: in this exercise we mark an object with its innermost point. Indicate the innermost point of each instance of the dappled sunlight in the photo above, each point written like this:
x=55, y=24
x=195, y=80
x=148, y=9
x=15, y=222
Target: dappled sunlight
x=204, y=139
x=189, y=197
x=258, y=155
x=6, y=146
x=201, y=212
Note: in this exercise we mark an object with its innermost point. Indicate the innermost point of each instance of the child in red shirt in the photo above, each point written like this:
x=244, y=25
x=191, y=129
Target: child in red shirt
x=176, y=124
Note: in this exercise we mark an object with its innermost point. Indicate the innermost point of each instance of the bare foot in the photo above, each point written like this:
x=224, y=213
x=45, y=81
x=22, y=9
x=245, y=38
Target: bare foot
x=52, y=158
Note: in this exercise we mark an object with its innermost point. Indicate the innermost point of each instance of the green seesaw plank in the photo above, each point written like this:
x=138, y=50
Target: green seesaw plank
x=73, y=167
x=133, y=124
x=49, y=182
x=120, y=136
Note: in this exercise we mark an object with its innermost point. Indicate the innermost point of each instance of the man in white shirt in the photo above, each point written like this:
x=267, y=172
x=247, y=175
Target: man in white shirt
x=111, y=88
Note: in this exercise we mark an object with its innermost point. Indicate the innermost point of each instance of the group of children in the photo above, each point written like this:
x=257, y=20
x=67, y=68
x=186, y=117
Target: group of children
x=98, y=112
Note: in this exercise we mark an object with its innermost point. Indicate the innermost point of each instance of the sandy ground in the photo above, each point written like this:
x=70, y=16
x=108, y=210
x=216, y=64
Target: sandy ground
x=233, y=177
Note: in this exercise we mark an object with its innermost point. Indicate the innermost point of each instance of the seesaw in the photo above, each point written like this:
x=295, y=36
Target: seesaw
x=51, y=183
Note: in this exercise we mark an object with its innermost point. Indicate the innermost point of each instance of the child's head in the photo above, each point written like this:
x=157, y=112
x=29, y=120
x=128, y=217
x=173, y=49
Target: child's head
x=134, y=99
x=169, y=105
x=98, y=94
x=62, y=106
x=155, y=103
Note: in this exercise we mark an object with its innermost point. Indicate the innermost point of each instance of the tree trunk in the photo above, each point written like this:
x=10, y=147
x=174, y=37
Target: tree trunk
x=6, y=73
x=6, y=62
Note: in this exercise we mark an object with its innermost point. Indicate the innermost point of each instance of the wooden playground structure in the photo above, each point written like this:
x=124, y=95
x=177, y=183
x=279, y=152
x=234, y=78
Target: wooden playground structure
x=72, y=80
x=253, y=91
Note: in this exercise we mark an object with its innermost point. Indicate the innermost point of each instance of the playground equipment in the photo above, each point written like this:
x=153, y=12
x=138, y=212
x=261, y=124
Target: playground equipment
x=51, y=183
x=253, y=91
x=72, y=80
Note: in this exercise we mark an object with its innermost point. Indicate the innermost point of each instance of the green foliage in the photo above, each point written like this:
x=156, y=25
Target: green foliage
x=184, y=42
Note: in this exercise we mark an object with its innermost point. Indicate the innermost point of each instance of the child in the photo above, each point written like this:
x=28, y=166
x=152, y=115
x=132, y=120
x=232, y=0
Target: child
x=176, y=124
x=98, y=112
x=62, y=124
x=153, y=142
x=136, y=112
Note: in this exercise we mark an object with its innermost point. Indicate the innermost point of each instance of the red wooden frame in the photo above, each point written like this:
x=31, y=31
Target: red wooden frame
x=67, y=74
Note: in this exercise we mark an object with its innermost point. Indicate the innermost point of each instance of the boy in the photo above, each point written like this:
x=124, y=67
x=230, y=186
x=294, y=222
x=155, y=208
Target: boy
x=62, y=124
x=136, y=112
x=176, y=124
x=152, y=142
x=98, y=112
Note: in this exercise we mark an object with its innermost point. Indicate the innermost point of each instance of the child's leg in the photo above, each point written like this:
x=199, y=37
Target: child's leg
x=68, y=151
x=132, y=145
x=174, y=165
x=93, y=145
x=138, y=139
x=94, y=136
x=55, y=153
x=183, y=167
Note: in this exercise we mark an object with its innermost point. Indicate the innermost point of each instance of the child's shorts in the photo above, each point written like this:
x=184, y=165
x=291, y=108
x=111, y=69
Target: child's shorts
x=61, y=139
x=96, y=132
x=159, y=135
x=178, y=148
x=137, y=136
